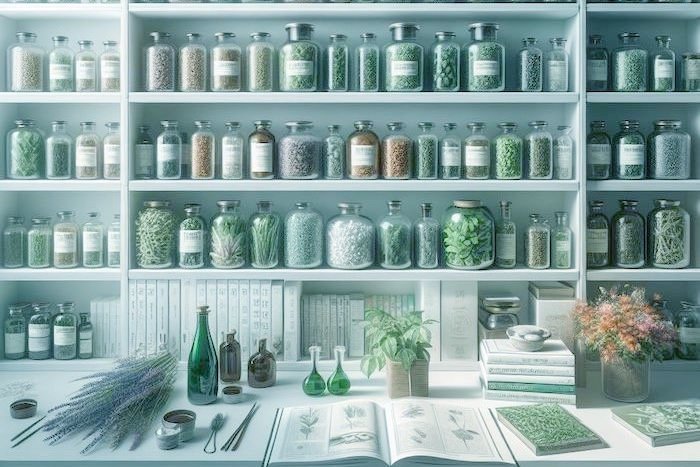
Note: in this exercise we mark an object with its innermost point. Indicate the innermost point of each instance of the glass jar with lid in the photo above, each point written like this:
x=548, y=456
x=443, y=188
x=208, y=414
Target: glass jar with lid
x=403, y=59
x=485, y=59
x=669, y=151
x=169, y=153
x=25, y=151
x=203, y=155
x=597, y=237
x=690, y=72
x=450, y=153
x=363, y=152
x=93, y=241
x=426, y=239
x=85, y=336
x=333, y=151
x=367, y=63
x=468, y=235
x=110, y=67
x=39, y=332
x=598, y=152
x=65, y=240
x=299, y=59
x=87, y=153
x=112, y=151
x=629, y=149
x=508, y=149
x=477, y=153
x=687, y=324
x=337, y=63
x=155, y=235
x=629, y=64
x=60, y=65
x=192, y=63
x=557, y=66
x=394, y=238
x=65, y=332
x=668, y=317
x=563, y=148
x=232, y=152
x=445, y=54
x=303, y=237
x=114, y=246
x=14, y=239
x=228, y=236
x=663, y=66
x=530, y=66
x=159, y=67
x=628, y=236
x=299, y=152
x=505, y=238
x=261, y=151
x=561, y=241
x=397, y=153
x=85, y=68
x=537, y=243
x=350, y=239
x=597, y=64
x=15, y=328
x=225, y=63
x=669, y=235
x=25, y=64
x=39, y=243
x=59, y=152
x=426, y=152
x=191, y=238
x=538, y=149
x=144, y=154
x=265, y=237
x=260, y=57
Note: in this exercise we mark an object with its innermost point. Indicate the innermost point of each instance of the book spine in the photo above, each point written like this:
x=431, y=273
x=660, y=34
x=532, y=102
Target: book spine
x=552, y=360
x=266, y=314
x=221, y=311
x=200, y=293
x=516, y=396
x=292, y=321
x=131, y=322
x=326, y=328
x=530, y=379
x=162, y=304
x=532, y=387
x=213, y=314
x=277, y=318
x=530, y=370
x=357, y=332
x=244, y=308
x=174, y=318
x=151, y=318
x=233, y=304
x=113, y=306
x=306, y=326
x=333, y=326
x=254, y=315
x=187, y=313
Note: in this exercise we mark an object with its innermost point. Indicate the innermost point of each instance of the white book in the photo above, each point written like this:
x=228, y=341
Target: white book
x=539, y=397
x=292, y=320
x=162, y=305
x=340, y=309
x=141, y=316
x=201, y=293
x=103, y=318
x=536, y=379
x=277, y=312
x=333, y=326
x=98, y=328
x=131, y=326
x=112, y=305
x=187, y=313
x=222, y=311
x=554, y=353
x=174, y=318
x=306, y=326
x=458, y=305
x=151, y=317
x=266, y=313
x=213, y=315
x=326, y=326
x=233, y=304
x=428, y=299
x=357, y=332
x=533, y=370
x=244, y=331
x=254, y=314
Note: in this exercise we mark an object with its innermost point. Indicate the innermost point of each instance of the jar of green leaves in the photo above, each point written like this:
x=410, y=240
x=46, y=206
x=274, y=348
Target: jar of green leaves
x=426, y=152
x=484, y=59
x=445, y=62
x=669, y=235
x=508, y=149
x=663, y=66
x=39, y=242
x=477, y=153
x=155, y=235
x=629, y=150
x=25, y=151
x=597, y=237
x=265, y=236
x=629, y=64
x=538, y=150
x=537, y=243
x=299, y=59
x=403, y=59
x=337, y=63
x=191, y=238
x=561, y=241
x=367, y=63
x=65, y=240
x=598, y=152
x=468, y=235
x=59, y=152
x=303, y=237
x=14, y=238
x=530, y=66
x=628, y=236
x=394, y=238
x=669, y=151
x=450, y=153
x=228, y=236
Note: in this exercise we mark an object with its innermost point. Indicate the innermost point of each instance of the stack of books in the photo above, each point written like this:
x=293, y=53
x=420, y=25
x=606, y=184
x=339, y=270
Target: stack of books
x=514, y=375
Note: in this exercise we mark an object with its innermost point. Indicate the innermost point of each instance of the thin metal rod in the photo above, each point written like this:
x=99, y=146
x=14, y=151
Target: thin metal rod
x=231, y=439
x=27, y=429
x=27, y=437
x=242, y=432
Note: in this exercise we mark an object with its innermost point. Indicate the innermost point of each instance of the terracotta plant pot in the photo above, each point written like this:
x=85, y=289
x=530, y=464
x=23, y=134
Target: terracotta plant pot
x=399, y=383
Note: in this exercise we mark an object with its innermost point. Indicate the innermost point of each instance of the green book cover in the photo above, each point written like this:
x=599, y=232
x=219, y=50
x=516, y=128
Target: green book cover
x=662, y=423
x=548, y=429
x=532, y=387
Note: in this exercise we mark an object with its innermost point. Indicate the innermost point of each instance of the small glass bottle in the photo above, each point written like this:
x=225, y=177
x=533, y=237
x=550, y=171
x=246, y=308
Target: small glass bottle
x=299, y=152
x=334, y=154
x=155, y=220
x=39, y=243
x=403, y=59
x=394, y=238
x=232, y=152
x=225, y=63
x=350, y=239
x=485, y=59
x=65, y=332
x=15, y=329
x=338, y=383
x=228, y=236
x=261, y=151
x=60, y=65
x=477, y=153
x=598, y=152
x=169, y=151
x=110, y=70
x=538, y=149
x=265, y=237
x=114, y=243
x=87, y=152
x=39, y=333
x=363, y=152
x=537, y=243
x=629, y=64
x=59, y=152
x=661, y=307
x=65, y=240
x=468, y=236
x=303, y=237
x=25, y=64
x=506, y=235
x=299, y=59
x=191, y=238
x=450, y=154
x=426, y=152
x=687, y=324
x=597, y=64
x=628, y=236
x=426, y=238
x=530, y=66
x=445, y=54
x=93, y=241
x=192, y=64
x=690, y=72
x=337, y=63
x=669, y=151
x=260, y=55
x=112, y=152
x=85, y=68
x=14, y=239
x=669, y=235
x=144, y=154
x=663, y=66
x=25, y=152
x=397, y=153
x=185, y=161
x=313, y=384
x=597, y=237
x=85, y=336
x=557, y=66
x=629, y=150
x=262, y=367
x=508, y=149
x=367, y=63
x=203, y=151
x=563, y=149
x=230, y=359
x=202, y=364
x=561, y=242
x=159, y=67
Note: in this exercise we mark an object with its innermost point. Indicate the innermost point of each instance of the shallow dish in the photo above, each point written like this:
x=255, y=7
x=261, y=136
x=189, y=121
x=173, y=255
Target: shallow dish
x=528, y=338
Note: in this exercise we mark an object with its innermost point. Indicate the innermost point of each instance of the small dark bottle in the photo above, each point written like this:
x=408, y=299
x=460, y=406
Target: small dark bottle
x=230, y=359
x=262, y=368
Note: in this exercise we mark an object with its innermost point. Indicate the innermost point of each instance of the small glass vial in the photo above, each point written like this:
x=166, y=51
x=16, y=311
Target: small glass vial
x=191, y=238
x=192, y=64
x=363, y=152
x=563, y=148
x=230, y=359
x=261, y=151
x=228, y=248
x=225, y=63
x=367, y=63
x=557, y=66
x=15, y=328
x=60, y=65
x=110, y=70
x=508, y=148
x=87, y=152
x=690, y=72
x=403, y=59
x=114, y=239
x=506, y=232
x=561, y=241
x=597, y=64
x=669, y=151
x=334, y=154
x=25, y=64
x=232, y=152
x=629, y=64
x=262, y=367
x=265, y=237
x=144, y=154
x=260, y=55
x=155, y=220
x=39, y=243
x=597, y=237
x=628, y=236
x=59, y=152
x=538, y=148
x=65, y=240
x=445, y=54
x=477, y=153
x=426, y=239
x=203, y=151
x=14, y=240
x=299, y=152
x=629, y=150
x=350, y=239
x=338, y=383
x=397, y=153
x=314, y=384
x=530, y=66
x=85, y=336
x=337, y=63
x=65, y=332
x=85, y=68
x=39, y=333
x=303, y=237
x=598, y=152
x=663, y=66
x=299, y=59
x=93, y=241
x=426, y=152
x=25, y=151
x=485, y=59
x=169, y=151
x=159, y=69
x=112, y=152
x=669, y=235
x=450, y=154
x=537, y=243
x=687, y=324
x=394, y=239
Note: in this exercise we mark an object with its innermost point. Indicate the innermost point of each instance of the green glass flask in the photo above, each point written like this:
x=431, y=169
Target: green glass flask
x=202, y=364
x=339, y=383
x=313, y=384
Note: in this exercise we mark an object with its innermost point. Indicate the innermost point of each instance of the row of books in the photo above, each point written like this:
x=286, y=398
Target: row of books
x=105, y=317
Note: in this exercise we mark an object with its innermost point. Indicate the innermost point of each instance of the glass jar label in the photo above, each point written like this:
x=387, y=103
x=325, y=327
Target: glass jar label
x=112, y=156
x=227, y=68
x=692, y=68
x=477, y=156
x=86, y=156
x=65, y=242
x=631, y=154
x=404, y=68
x=451, y=156
x=59, y=71
x=85, y=69
x=562, y=246
x=664, y=68
x=85, y=342
x=38, y=337
x=144, y=158
x=557, y=71
x=232, y=158
x=298, y=68
x=110, y=69
x=191, y=241
x=114, y=241
x=598, y=153
x=486, y=68
x=64, y=335
x=689, y=335
x=14, y=343
x=261, y=157
x=363, y=155
x=564, y=157
x=597, y=241
x=169, y=151
x=92, y=241
x=505, y=246
x=597, y=70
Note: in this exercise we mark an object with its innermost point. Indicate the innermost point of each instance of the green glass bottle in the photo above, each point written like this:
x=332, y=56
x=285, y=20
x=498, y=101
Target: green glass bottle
x=313, y=384
x=202, y=364
x=339, y=383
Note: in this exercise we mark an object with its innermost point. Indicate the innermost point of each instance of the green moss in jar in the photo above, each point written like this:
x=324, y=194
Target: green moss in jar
x=426, y=151
x=39, y=243
x=485, y=63
x=403, y=59
x=538, y=146
x=509, y=153
x=155, y=235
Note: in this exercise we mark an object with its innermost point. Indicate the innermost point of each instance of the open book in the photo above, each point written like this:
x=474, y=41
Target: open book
x=409, y=432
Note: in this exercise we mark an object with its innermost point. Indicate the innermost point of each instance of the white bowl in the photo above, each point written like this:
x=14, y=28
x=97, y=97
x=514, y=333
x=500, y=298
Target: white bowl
x=528, y=338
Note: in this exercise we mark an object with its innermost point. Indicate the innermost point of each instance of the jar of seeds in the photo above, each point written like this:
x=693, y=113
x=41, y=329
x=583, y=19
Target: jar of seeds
x=663, y=66
x=265, y=237
x=299, y=59
x=597, y=61
x=669, y=151
x=505, y=238
x=192, y=64
x=629, y=64
x=25, y=151
x=232, y=152
x=557, y=66
x=85, y=68
x=628, y=236
x=93, y=241
x=563, y=147
x=363, y=152
x=537, y=243
x=334, y=154
x=485, y=59
x=169, y=151
x=112, y=151
x=114, y=246
x=87, y=152
x=426, y=239
x=367, y=61
x=261, y=151
x=203, y=145
x=397, y=153
x=144, y=154
x=598, y=152
x=303, y=237
x=191, y=238
x=445, y=62
x=299, y=152
x=450, y=154
x=468, y=235
x=65, y=332
x=669, y=235
x=159, y=69
x=403, y=59
x=394, y=238
x=690, y=72
x=225, y=63
x=14, y=237
x=426, y=151
x=260, y=54
x=337, y=63
x=350, y=239
x=155, y=235
x=229, y=247
x=508, y=147
x=597, y=240
x=60, y=65
x=530, y=66
x=561, y=241
x=630, y=152
x=477, y=153
x=538, y=147
x=39, y=332
x=59, y=152
x=39, y=243
x=26, y=64
x=65, y=240
x=110, y=67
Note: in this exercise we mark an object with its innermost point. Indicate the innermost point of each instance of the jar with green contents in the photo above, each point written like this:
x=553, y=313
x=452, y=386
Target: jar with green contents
x=260, y=54
x=537, y=243
x=629, y=150
x=663, y=66
x=687, y=324
x=111, y=145
x=303, y=237
x=15, y=332
x=39, y=332
x=450, y=153
x=598, y=152
x=65, y=332
x=505, y=237
x=93, y=241
x=629, y=64
x=628, y=236
x=65, y=240
x=155, y=235
x=169, y=153
x=445, y=62
x=228, y=236
x=530, y=66
x=59, y=152
x=85, y=68
x=367, y=63
x=426, y=239
x=350, y=239
x=333, y=154
x=60, y=65
x=397, y=153
x=426, y=152
x=557, y=66
x=538, y=150
x=265, y=237
x=114, y=245
x=14, y=238
x=485, y=59
x=669, y=235
x=394, y=238
x=508, y=148
x=25, y=64
x=690, y=72
x=563, y=147
x=597, y=64
x=561, y=241
x=477, y=153
x=39, y=242
x=87, y=152
x=191, y=238
x=337, y=63
x=669, y=151
x=25, y=151
x=299, y=59
x=403, y=59
x=597, y=237
x=468, y=235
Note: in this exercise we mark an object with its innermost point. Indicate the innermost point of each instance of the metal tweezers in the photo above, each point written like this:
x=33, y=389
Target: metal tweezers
x=235, y=440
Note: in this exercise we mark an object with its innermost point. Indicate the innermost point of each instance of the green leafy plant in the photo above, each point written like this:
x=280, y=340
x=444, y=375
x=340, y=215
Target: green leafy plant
x=403, y=339
x=468, y=241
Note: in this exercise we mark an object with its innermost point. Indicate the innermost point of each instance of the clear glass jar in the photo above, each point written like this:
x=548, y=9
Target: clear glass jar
x=334, y=154
x=350, y=239
x=477, y=153
x=65, y=240
x=450, y=154
x=690, y=72
x=186, y=159
x=261, y=151
x=203, y=151
x=561, y=241
x=537, y=243
x=155, y=235
x=112, y=152
x=337, y=63
x=303, y=237
x=668, y=316
x=65, y=332
x=597, y=64
x=403, y=59
x=159, y=68
x=597, y=237
x=110, y=67
x=426, y=239
x=538, y=149
x=59, y=152
x=505, y=238
x=468, y=235
x=232, y=156
x=85, y=68
x=87, y=153
x=39, y=333
x=628, y=236
x=228, y=248
x=663, y=66
x=14, y=238
x=598, y=152
x=192, y=64
x=39, y=243
x=563, y=148
x=25, y=64
x=397, y=153
x=629, y=64
x=191, y=238
x=60, y=65
x=669, y=235
x=85, y=336
x=144, y=154
x=114, y=246
x=265, y=229
x=557, y=66
x=299, y=59
x=445, y=62
x=169, y=151
x=225, y=63
x=484, y=58
x=426, y=151
x=15, y=328
x=669, y=151
x=25, y=151
x=629, y=150
x=687, y=324
x=260, y=55
x=299, y=152
x=508, y=149
x=530, y=66
x=367, y=61
x=93, y=241
x=394, y=239
x=363, y=152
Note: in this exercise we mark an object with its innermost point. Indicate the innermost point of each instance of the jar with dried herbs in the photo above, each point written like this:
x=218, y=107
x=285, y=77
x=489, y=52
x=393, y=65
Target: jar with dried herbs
x=363, y=152
x=260, y=54
x=261, y=151
x=394, y=238
x=397, y=153
x=65, y=240
x=629, y=64
x=25, y=64
x=597, y=237
x=203, y=155
x=445, y=54
x=25, y=151
x=561, y=241
x=60, y=65
x=690, y=72
x=265, y=237
x=169, y=151
x=563, y=148
x=303, y=237
x=159, y=67
x=232, y=152
x=299, y=152
x=367, y=63
x=628, y=236
x=687, y=324
x=225, y=63
x=337, y=63
x=112, y=151
x=192, y=63
x=65, y=332
x=629, y=150
x=484, y=58
x=537, y=243
x=85, y=68
x=508, y=148
x=14, y=238
x=350, y=239
x=155, y=235
x=426, y=239
x=538, y=148
x=505, y=238
x=15, y=332
x=87, y=152
x=477, y=153
x=228, y=236
x=598, y=152
x=450, y=153
x=669, y=235
x=39, y=243
x=468, y=235
x=557, y=66
x=299, y=59
x=39, y=332
x=93, y=241
x=191, y=238
x=403, y=59
x=426, y=152
x=144, y=154
x=669, y=151
x=334, y=154
x=530, y=66
x=663, y=66
x=59, y=152
x=597, y=61
x=110, y=67
x=114, y=246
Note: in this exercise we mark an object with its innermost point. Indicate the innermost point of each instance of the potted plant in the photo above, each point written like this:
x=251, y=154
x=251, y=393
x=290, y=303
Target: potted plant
x=401, y=344
x=628, y=333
